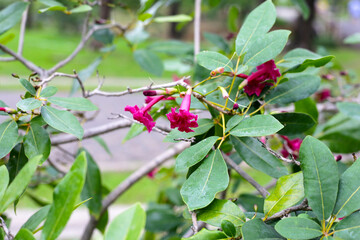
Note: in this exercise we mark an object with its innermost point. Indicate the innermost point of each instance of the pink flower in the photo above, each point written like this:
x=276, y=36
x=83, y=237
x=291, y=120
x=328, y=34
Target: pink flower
x=149, y=99
x=292, y=145
x=142, y=114
x=176, y=78
x=183, y=120
x=2, y=109
x=152, y=173
x=257, y=81
x=323, y=95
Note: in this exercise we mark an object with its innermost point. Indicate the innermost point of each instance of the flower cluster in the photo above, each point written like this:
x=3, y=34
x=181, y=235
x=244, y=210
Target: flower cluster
x=183, y=120
x=291, y=146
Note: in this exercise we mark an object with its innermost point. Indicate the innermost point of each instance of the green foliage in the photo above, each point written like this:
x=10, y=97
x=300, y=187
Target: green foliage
x=73, y=103
x=294, y=123
x=257, y=229
x=149, y=61
x=209, y=235
x=213, y=60
x=37, y=142
x=298, y=228
x=257, y=126
x=8, y=136
x=348, y=228
x=11, y=15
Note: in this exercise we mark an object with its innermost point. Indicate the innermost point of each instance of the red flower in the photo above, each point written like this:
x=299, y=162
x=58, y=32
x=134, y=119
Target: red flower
x=292, y=145
x=323, y=95
x=183, y=120
x=142, y=114
x=149, y=99
x=258, y=80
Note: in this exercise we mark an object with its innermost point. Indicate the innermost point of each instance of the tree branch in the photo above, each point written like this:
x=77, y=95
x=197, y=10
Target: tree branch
x=8, y=235
x=303, y=206
x=131, y=180
x=197, y=21
x=22, y=30
x=263, y=192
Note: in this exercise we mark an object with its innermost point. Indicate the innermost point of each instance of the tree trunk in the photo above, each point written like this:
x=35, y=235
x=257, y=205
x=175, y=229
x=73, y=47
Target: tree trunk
x=173, y=33
x=105, y=10
x=304, y=33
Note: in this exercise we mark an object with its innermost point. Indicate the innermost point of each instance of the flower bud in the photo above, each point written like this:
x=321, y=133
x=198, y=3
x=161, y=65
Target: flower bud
x=216, y=71
x=15, y=75
x=235, y=106
x=343, y=73
x=149, y=93
x=224, y=93
x=338, y=158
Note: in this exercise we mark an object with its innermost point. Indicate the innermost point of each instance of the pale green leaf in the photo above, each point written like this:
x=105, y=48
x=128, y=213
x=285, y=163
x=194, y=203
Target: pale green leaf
x=29, y=104
x=73, y=103
x=8, y=137
x=257, y=126
x=298, y=228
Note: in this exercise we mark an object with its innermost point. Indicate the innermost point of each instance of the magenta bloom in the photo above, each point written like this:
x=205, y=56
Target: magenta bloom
x=323, y=95
x=293, y=145
x=183, y=120
x=142, y=114
x=258, y=80
x=149, y=99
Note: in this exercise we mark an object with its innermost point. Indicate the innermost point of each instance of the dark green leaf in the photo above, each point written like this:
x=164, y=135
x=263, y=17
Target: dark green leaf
x=233, y=121
x=205, y=182
x=48, y=91
x=24, y=234
x=161, y=218
x=92, y=186
x=308, y=106
x=204, y=126
x=320, y=176
x=310, y=63
x=218, y=41
x=73, y=103
x=84, y=74
x=19, y=184
x=34, y=221
x=252, y=152
x=37, y=142
x=294, y=123
x=220, y=210
x=135, y=130
x=232, y=19
x=172, y=47
x=8, y=136
x=214, y=60
x=267, y=47
x=348, y=199
x=208, y=235
x=149, y=61
x=4, y=180
x=228, y=228
x=64, y=198
x=29, y=104
x=247, y=201
x=257, y=126
x=194, y=154
x=28, y=86
x=288, y=191
x=103, y=144
x=255, y=26
x=256, y=229
x=128, y=225
x=298, y=228
x=295, y=89
x=349, y=227
x=11, y=15
x=62, y=120
x=17, y=161
x=304, y=8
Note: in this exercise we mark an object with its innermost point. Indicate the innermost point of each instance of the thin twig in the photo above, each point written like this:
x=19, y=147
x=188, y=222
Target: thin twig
x=22, y=30
x=197, y=21
x=195, y=226
x=303, y=206
x=277, y=155
x=57, y=74
x=97, y=91
x=202, y=99
x=246, y=176
x=84, y=93
x=131, y=180
x=7, y=232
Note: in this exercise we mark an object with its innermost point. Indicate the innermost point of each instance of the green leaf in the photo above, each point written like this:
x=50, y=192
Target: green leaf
x=4, y=180
x=37, y=142
x=11, y=15
x=320, y=176
x=218, y=41
x=149, y=61
x=161, y=218
x=353, y=39
x=171, y=47
x=310, y=63
x=214, y=60
x=298, y=228
x=228, y=228
x=304, y=8
x=348, y=199
x=64, y=199
x=50, y=3
x=220, y=210
x=73, y=103
x=17, y=161
x=297, y=56
x=28, y=86
x=349, y=109
x=29, y=104
x=294, y=123
x=267, y=47
x=62, y=120
x=128, y=225
x=232, y=19
x=295, y=89
x=173, y=18
x=233, y=121
x=255, y=26
x=257, y=126
x=257, y=229
x=24, y=234
x=135, y=130
x=308, y=106
x=251, y=151
x=8, y=137
x=204, y=126
x=34, y=221
x=103, y=144
x=85, y=73
x=205, y=182
x=208, y=235
x=92, y=186
x=348, y=228
x=48, y=91
x=81, y=9
x=288, y=191
x=53, y=8
x=19, y=184
x=194, y=154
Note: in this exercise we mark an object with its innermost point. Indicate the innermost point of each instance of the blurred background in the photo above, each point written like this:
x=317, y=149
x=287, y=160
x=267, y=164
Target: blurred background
x=320, y=26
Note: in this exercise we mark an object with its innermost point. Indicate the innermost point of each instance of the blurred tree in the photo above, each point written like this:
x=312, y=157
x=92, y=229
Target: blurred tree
x=105, y=9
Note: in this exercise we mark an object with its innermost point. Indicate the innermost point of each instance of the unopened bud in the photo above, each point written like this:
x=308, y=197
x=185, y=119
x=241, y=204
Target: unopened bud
x=243, y=84
x=343, y=73
x=235, y=106
x=149, y=93
x=182, y=94
x=7, y=110
x=241, y=75
x=328, y=76
x=224, y=93
x=338, y=158
x=219, y=70
x=15, y=75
